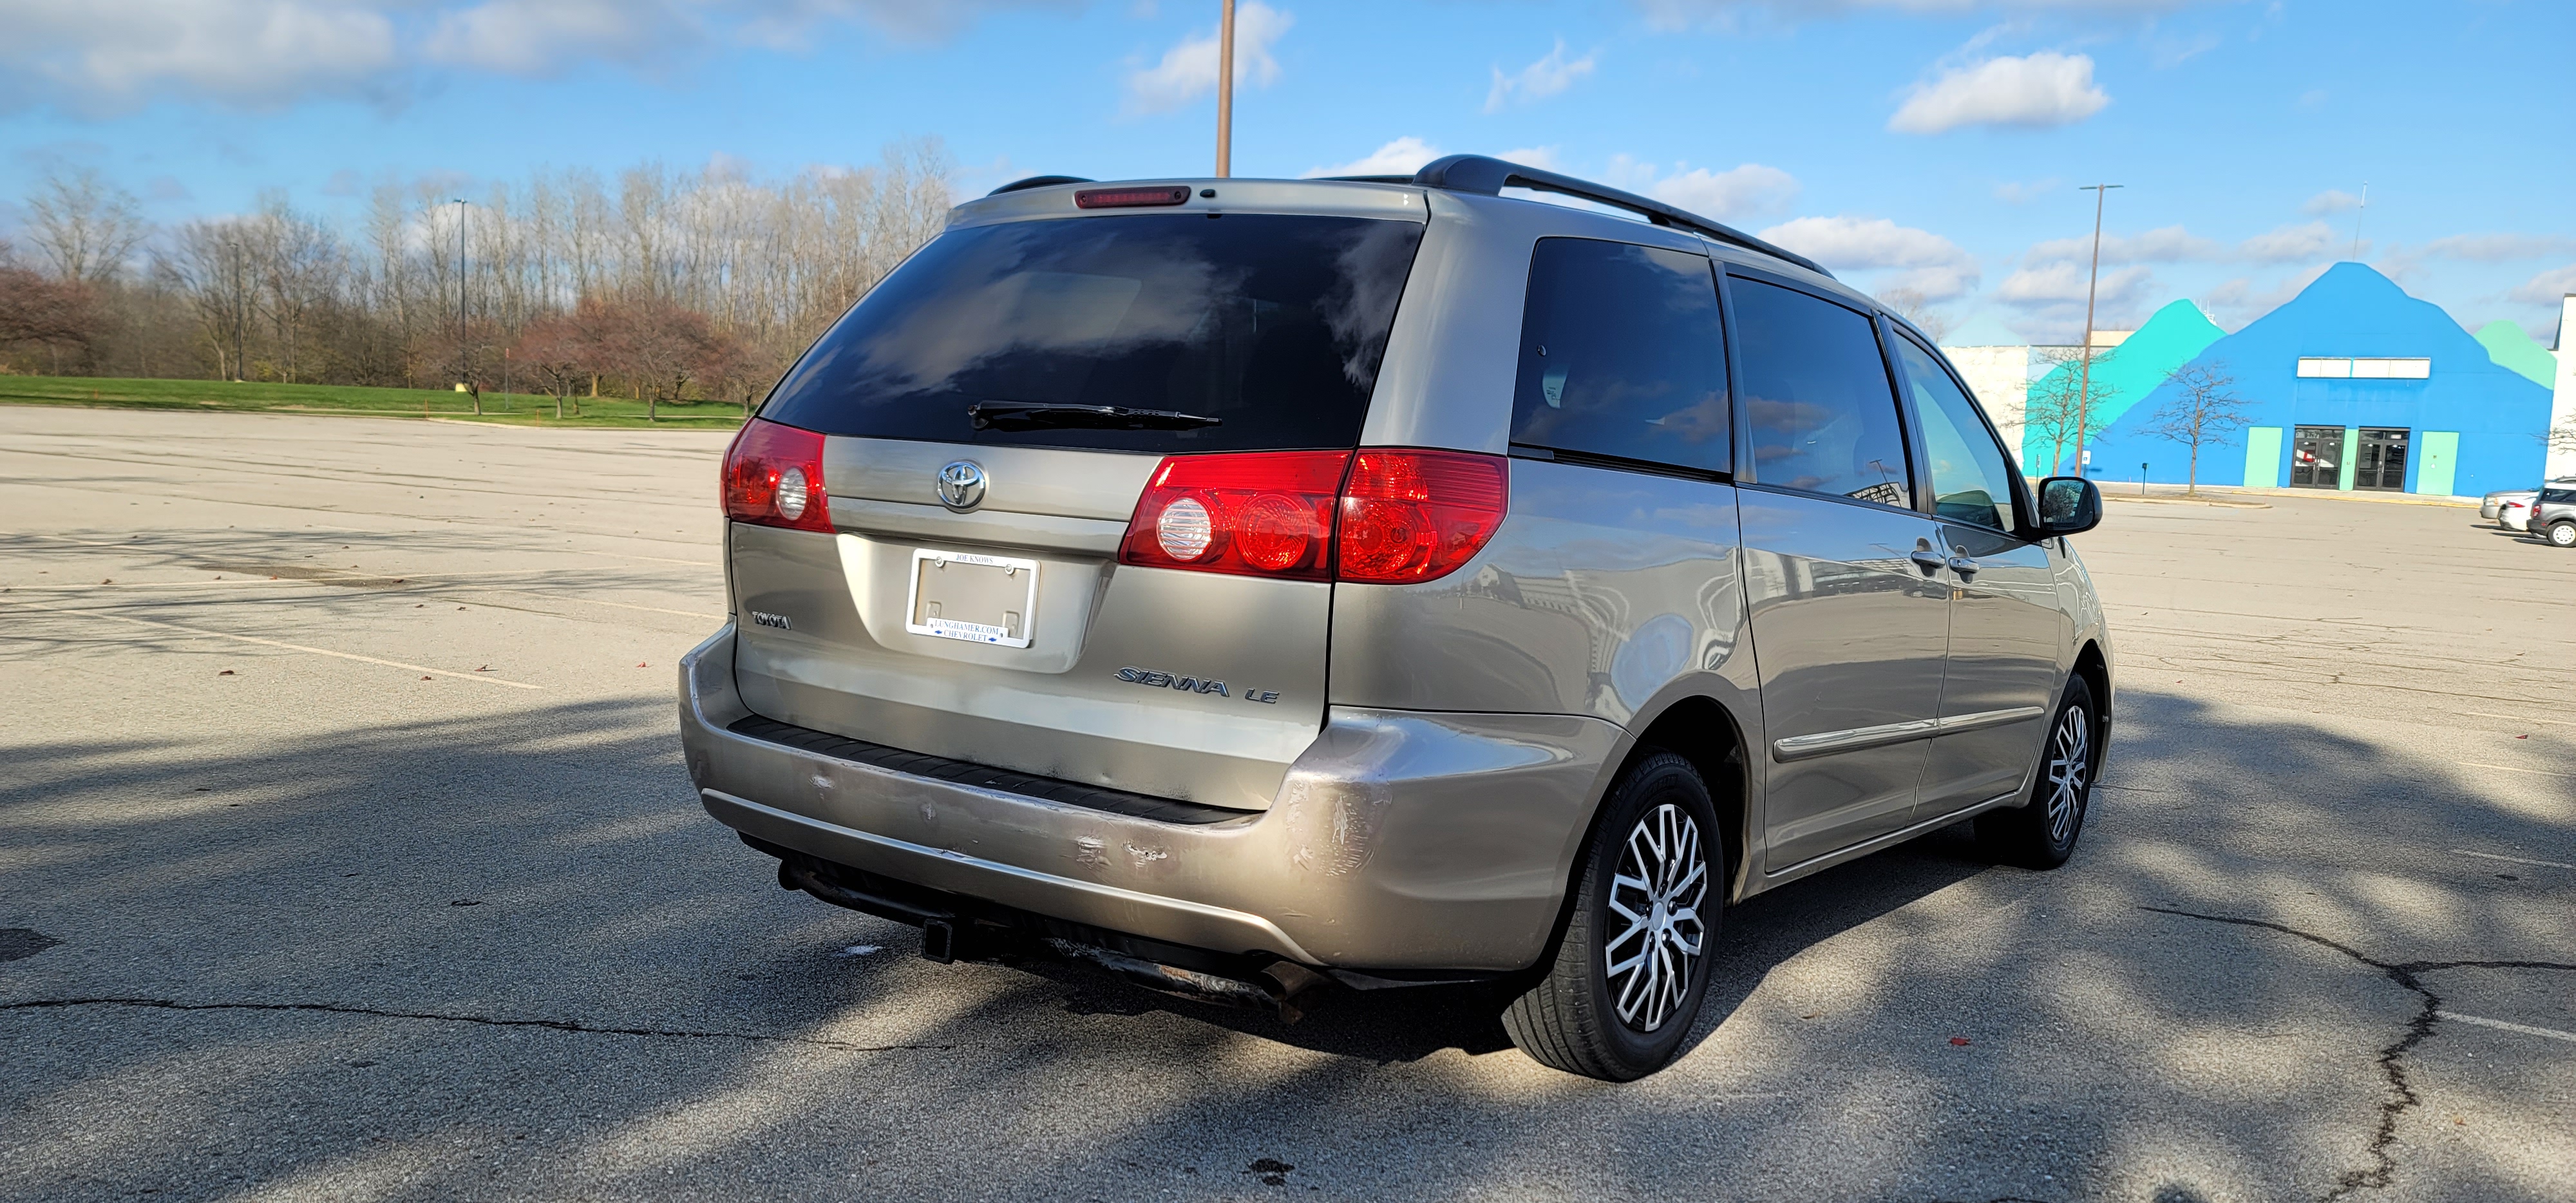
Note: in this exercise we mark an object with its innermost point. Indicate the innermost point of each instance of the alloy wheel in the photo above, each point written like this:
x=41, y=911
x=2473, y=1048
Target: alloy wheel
x=2070, y=759
x=1657, y=893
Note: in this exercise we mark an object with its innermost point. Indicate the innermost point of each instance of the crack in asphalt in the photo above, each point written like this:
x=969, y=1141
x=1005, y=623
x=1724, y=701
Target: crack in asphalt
x=556, y=1025
x=2402, y=1092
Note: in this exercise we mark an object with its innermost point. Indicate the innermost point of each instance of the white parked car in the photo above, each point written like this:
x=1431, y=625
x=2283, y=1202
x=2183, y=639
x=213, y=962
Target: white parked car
x=2492, y=506
x=2514, y=512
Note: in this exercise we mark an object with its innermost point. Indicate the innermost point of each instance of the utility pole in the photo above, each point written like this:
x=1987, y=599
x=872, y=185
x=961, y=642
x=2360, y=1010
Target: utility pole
x=2358, y=214
x=1225, y=93
x=2084, y=390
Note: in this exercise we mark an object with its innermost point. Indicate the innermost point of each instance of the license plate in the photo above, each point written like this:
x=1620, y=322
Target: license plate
x=980, y=599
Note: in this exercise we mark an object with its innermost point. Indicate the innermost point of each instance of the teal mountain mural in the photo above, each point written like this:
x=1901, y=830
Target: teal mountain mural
x=2511, y=348
x=2125, y=374
x=2471, y=425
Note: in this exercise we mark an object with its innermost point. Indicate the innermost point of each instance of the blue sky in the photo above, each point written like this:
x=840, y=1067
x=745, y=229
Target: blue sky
x=1924, y=145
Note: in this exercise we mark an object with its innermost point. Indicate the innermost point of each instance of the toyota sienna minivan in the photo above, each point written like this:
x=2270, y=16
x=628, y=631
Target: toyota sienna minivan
x=1263, y=586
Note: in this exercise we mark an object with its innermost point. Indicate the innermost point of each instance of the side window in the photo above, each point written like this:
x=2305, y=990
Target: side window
x=1815, y=389
x=1971, y=479
x=1622, y=355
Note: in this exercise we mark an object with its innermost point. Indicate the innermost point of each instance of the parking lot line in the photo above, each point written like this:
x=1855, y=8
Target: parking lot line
x=2555, y=722
x=2501, y=1025
x=2519, y=860
x=292, y=647
x=2511, y=769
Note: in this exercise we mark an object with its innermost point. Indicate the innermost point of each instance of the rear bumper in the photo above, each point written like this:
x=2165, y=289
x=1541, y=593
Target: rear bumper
x=1400, y=840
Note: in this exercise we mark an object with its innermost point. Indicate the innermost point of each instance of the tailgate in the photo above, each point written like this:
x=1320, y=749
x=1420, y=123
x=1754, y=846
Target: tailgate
x=1176, y=684
x=1047, y=367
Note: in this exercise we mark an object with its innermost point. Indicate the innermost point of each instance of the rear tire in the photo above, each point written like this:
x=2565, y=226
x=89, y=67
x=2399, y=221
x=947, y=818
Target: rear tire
x=2041, y=833
x=1628, y=977
x=2562, y=534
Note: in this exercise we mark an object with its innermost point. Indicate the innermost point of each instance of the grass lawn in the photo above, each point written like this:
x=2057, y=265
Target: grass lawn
x=518, y=409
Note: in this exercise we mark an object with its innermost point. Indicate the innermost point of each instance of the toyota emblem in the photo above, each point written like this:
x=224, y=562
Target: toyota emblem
x=961, y=485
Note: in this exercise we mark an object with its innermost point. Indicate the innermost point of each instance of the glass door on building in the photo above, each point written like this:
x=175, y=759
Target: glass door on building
x=2316, y=457
x=2380, y=460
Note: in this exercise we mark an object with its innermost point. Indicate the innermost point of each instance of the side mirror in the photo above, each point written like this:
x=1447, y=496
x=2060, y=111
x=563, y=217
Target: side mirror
x=2068, y=505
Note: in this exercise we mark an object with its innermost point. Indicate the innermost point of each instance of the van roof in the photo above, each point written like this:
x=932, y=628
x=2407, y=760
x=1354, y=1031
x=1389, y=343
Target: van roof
x=1486, y=176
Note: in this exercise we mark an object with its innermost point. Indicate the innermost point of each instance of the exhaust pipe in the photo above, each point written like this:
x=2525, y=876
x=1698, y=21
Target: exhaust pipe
x=1283, y=985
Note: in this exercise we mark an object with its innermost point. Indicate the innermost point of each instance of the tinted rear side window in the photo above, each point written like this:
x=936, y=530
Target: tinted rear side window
x=1816, y=396
x=1622, y=355
x=1271, y=324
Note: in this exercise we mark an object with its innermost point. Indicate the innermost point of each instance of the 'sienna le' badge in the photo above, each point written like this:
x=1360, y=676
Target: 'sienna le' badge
x=1162, y=680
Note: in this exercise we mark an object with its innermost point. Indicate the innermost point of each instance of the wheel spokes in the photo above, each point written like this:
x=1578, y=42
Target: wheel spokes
x=1656, y=892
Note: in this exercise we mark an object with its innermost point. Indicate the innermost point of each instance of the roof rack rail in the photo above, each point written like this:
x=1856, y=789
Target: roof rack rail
x=1368, y=179
x=1037, y=181
x=1489, y=176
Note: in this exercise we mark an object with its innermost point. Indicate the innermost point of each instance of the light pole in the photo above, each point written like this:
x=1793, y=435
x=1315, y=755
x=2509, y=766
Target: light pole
x=2084, y=390
x=1225, y=92
x=461, y=368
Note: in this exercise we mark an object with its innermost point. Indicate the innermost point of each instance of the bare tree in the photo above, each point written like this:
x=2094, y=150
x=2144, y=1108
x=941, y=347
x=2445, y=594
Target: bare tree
x=2057, y=407
x=659, y=348
x=2204, y=412
x=1912, y=305
x=299, y=263
x=562, y=350
x=216, y=264
x=85, y=226
x=767, y=264
x=49, y=313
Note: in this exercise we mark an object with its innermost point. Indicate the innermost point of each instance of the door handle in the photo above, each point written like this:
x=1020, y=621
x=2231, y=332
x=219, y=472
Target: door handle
x=1963, y=564
x=1928, y=560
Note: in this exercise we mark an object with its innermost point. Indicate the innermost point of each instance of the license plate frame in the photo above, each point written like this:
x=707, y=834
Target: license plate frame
x=993, y=601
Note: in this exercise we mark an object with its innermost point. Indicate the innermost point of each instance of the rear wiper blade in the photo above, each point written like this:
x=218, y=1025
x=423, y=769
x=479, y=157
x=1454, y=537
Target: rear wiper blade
x=1029, y=415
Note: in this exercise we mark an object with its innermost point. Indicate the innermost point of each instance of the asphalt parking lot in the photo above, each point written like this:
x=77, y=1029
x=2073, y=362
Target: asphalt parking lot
x=345, y=853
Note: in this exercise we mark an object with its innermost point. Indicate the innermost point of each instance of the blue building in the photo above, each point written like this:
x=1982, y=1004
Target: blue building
x=2352, y=385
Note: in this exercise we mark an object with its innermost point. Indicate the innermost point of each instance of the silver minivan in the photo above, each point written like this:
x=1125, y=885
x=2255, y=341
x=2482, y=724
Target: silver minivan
x=1260, y=587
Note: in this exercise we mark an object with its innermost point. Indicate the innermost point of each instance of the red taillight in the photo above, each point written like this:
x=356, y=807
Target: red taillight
x=1404, y=516
x=1417, y=515
x=1264, y=513
x=773, y=476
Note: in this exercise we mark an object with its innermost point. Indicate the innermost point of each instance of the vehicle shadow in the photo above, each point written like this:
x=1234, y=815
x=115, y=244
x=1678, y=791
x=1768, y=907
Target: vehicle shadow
x=478, y=955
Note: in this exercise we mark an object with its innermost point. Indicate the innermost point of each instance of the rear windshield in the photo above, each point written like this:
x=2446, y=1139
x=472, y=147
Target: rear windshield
x=1270, y=324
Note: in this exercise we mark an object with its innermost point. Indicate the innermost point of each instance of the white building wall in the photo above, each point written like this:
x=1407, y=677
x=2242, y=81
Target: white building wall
x=2562, y=398
x=2000, y=377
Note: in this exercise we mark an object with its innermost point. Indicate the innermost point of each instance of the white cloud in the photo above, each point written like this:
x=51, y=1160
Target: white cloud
x=1404, y=156
x=2547, y=287
x=1734, y=14
x=2332, y=200
x=2291, y=244
x=531, y=37
x=1920, y=261
x=109, y=56
x=1737, y=192
x=787, y=24
x=2014, y=192
x=1540, y=80
x=2499, y=248
x=1188, y=71
x=102, y=57
x=2043, y=89
x=2174, y=51
x=2234, y=303
x=2062, y=281
x=2171, y=244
